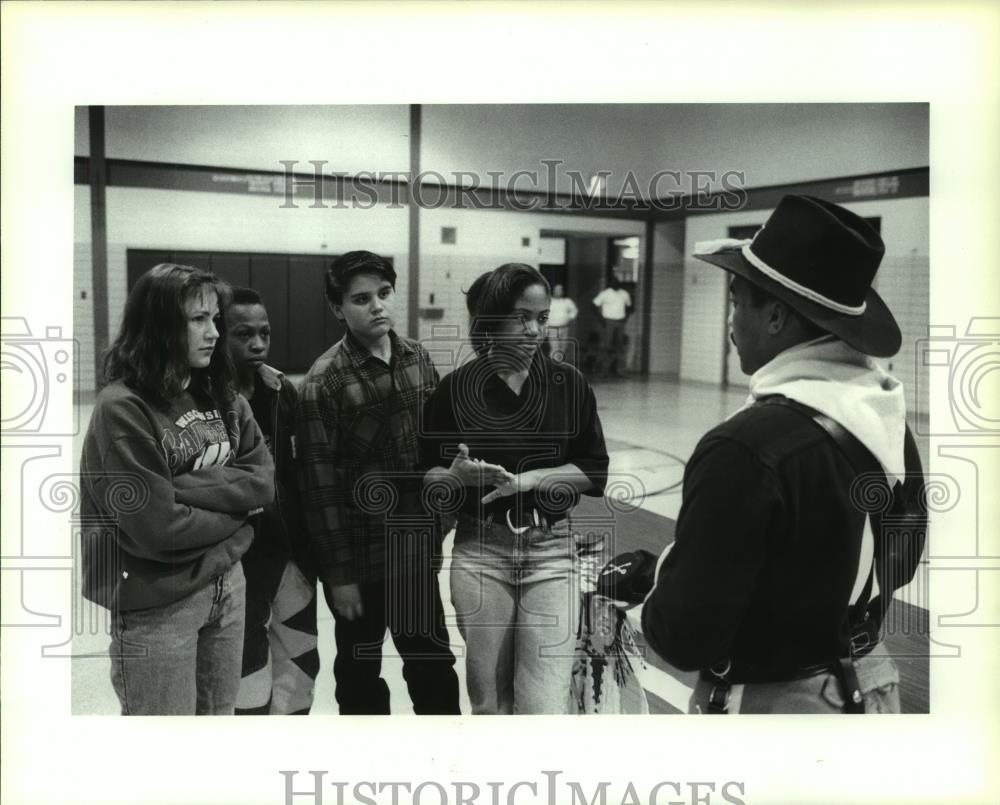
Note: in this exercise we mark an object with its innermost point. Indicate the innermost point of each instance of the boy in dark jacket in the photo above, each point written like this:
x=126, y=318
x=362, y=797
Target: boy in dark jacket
x=280, y=657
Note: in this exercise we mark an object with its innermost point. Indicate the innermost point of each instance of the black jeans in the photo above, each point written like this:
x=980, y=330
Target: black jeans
x=409, y=606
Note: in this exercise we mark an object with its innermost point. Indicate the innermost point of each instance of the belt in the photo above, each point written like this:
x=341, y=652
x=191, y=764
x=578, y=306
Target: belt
x=757, y=676
x=754, y=675
x=724, y=678
x=519, y=522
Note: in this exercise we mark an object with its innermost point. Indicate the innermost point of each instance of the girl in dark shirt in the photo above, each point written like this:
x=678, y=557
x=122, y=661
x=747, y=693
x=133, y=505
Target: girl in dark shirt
x=511, y=440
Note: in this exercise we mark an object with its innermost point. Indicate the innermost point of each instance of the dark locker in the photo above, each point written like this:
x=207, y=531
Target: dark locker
x=139, y=261
x=306, y=305
x=269, y=277
x=202, y=260
x=232, y=268
x=333, y=328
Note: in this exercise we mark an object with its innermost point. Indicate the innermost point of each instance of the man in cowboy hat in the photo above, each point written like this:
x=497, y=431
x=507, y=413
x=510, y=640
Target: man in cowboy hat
x=770, y=589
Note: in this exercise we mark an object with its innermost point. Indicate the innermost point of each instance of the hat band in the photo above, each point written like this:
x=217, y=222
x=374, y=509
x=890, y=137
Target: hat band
x=801, y=290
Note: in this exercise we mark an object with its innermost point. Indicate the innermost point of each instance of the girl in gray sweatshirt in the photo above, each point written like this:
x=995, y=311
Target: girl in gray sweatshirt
x=173, y=467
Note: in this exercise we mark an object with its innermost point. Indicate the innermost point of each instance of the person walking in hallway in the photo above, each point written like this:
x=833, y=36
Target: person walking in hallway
x=614, y=304
x=562, y=313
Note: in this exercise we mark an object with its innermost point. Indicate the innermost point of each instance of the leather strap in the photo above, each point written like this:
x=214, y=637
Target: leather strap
x=862, y=636
x=850, y=687
x=744, y=675
x=863, y=463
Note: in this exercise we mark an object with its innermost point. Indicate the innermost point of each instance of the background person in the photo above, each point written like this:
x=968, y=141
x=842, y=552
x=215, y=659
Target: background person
x=516, y=438
x=280, y=656
x=562, y=312
x=170, y=428
x=613, y=303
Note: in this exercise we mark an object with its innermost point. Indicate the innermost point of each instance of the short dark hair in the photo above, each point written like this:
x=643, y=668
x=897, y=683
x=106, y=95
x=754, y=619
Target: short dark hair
x=495, y=298
x=349, y=265
x=760, y=297
x=245, y=296
x=150, y=352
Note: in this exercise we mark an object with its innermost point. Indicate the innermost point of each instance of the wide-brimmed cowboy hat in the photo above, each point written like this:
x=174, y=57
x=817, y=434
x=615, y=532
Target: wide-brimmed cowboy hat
x=819, y=259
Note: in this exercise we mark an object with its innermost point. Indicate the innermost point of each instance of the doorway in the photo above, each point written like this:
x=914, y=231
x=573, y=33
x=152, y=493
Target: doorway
x=586, y=263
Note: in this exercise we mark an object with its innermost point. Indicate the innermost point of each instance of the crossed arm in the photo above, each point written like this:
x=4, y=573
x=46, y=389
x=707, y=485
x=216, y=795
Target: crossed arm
x=181, y=516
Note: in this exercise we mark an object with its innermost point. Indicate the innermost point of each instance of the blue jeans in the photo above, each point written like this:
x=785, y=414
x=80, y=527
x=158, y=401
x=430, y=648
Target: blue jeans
x=517, y=600
x=191, y=652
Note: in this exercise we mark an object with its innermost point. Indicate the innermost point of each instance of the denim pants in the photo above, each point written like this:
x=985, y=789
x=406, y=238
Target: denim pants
x=517, y=601
x=183, y=658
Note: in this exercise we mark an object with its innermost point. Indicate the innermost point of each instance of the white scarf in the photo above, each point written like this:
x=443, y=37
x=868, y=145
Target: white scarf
x=847, y=386
x=850, y=388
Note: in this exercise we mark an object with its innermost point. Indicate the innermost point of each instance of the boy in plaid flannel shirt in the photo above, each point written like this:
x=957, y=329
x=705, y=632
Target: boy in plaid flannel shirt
x=359, y=410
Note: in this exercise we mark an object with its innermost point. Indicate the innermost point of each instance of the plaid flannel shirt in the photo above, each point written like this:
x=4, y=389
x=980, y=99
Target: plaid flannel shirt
x=357, y=416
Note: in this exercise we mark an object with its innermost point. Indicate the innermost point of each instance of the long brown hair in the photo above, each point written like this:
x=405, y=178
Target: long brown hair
x=150, y=353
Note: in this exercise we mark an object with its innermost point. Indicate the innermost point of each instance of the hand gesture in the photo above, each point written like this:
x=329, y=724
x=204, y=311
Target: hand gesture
x=473, y=472
x=522, y=482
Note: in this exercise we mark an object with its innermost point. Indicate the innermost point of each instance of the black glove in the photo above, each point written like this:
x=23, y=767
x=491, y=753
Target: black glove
x=628, y=577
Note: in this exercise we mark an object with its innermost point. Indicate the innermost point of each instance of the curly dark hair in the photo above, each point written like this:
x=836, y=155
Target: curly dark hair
x=150, y=352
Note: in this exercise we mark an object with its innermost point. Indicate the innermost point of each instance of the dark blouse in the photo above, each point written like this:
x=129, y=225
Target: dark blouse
x=551, y=422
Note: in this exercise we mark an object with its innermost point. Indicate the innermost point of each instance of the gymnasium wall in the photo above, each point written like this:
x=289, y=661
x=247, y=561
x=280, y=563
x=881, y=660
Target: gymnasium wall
x=687, y=323
x=142, y=218
x=173, y=219
x=667, y=311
